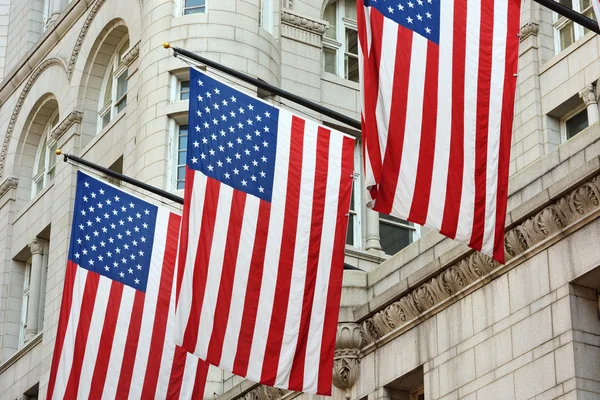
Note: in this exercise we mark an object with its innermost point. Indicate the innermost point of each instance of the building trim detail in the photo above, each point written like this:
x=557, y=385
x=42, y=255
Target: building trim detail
x=7, y=184
x=74, y=117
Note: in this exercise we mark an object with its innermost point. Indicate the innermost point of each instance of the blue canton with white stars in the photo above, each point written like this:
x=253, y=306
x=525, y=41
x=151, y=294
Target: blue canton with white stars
x=232, y=136
x=113, y=232
x=420, y=16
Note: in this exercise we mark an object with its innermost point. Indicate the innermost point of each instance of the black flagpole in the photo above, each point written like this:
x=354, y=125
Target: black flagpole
x=574, y=16
x=265, y=86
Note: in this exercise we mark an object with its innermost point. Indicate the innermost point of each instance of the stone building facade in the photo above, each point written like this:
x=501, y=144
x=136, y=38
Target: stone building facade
x=421, y=316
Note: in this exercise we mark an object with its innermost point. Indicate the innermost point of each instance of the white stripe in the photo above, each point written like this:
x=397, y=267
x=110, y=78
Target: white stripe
x=496, y=97
x=405, y=188
x=186, y=294
x=367, y=11
x=240, y=281
x=66, y=359
x=119, y=342
x=387, y=68
x=215, y=269
x=465, y=219
x=317, y=316
x=273, y=248
x=189, y=377
x=93, y=341
x=150, y=300
x=298, y=279
x=439, y=178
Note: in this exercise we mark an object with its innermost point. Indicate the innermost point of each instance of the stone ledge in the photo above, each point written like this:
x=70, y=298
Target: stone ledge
x=21, y=352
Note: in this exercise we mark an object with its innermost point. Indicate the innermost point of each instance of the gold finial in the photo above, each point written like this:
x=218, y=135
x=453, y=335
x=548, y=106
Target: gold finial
x=166, y=45
x=58, y=152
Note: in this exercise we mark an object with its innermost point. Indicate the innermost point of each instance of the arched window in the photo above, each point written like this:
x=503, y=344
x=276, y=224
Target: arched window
x=340, y=43
x=113, y=96
x=45, y=158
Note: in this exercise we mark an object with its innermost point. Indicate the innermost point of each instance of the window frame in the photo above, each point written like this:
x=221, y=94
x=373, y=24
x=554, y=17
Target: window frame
x=184, y=8
x=25, y=303
x=265, y=19
x=414, y=228
x=567, y=117
x=339, y=44
x=356, y=213
x=115, y=70
x=560, y=22
x=47, y=146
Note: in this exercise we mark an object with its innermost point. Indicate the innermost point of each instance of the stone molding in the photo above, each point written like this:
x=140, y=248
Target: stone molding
x=346, y=360
x=529, y=29
x=288, y=17
x=82, y=34
x=132, y=54
x=560, y=213
x=74, y=117
x=589, y=95
x=7, y=184
x=36, y=246
x=262, y=392
x=20, y=101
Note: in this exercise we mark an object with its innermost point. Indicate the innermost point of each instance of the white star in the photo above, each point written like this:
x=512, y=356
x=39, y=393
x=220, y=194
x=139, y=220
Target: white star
x=77, y=255
x=210, y=168
x=203, y=156
x=390, y=10
x=107, y=268
x=85, y=198
x=258, y=118
x=199, y=113
x=264, y=159
x=253, y=178
x=94, y=247
x=100, y=258
x=411, y=4
x=102, y=244
x=228, y=159
x=239, y=140
x=427, y=30
x=79, y=241
x=200, y=82
x=262, y=174
x=219, y=163
x=250, y=107
x=206, y=125
x=237, y=156
x=221, y=148
x=216, y=106
x=204, y=140
x=265, y=144
x=246, y=167
x=419, y=17
x=109, y=254
x=227, y=175
x=139, y=267
x=255, y=163
x=87, y=185
x=84, y=251
x=217, y=91
x=147, y=212
x=93, y=195
x=145, y=225
x=104, y=230
x=130, y=219
x=261, y=189
x=212, y=152
x=138, y=215
x=108, y=202
x=244, y=183
x=123, y=209
x=121, y=274
x=143, y=239
x=236, y=171
x=233, y=99
x=267, y=114
x=197, y=128
x=400, y=7
x=130, y=270
x=117, y=198
x=113, y=226
x=241, y=110
x=82, y=212
x=256, y=148
x=137, y=281
x=134, y=242
x=409, y=19
x=141, y=253
x=213, y=136
x=87, y=237
x=91, y=262
x=225, y=103
x=247, y=152
x=428, y=14
x=208, y=95
x=222, y=132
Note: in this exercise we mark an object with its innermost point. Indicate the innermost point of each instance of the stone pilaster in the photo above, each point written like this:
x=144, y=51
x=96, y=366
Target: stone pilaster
x=373, y=239
x=35, y=283
x=8, y=190
x=590, y=98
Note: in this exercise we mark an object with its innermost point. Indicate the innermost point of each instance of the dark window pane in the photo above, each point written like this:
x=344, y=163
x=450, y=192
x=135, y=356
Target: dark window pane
x=350, y=232
x=576, y=124
x=181, y=173
x=183, y=142
x=181, y=159
x=184, y=94
x=195, y=3
x=180, y=185
x=394, y=238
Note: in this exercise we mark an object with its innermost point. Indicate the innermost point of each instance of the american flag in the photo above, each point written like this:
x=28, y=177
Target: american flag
x=596, y=5
x=115, y=336
x=438, y=85
x=267, y=195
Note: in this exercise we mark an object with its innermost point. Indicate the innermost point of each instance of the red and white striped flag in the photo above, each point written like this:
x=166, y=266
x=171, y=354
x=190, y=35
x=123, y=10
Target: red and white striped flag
x=267, y=196
x=438, y=87
x=596, y=4
x=115, y=336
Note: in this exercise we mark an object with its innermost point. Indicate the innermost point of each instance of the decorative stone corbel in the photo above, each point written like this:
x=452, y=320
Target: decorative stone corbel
x=346, y=364
x=7, y=184
x=132, y=54
x=263, y=392
x=529, y=29
x=589, y=96
x=74, y=117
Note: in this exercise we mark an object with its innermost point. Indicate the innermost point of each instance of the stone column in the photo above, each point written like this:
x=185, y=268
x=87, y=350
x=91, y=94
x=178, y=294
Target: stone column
x=373, y=238
x=589, y=97
x=54, y=10
x=35, y=283
x=346, y=364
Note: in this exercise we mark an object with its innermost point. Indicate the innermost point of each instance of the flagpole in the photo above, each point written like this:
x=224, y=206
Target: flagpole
x=121, y=177
x=569, y=13
x=265, y=86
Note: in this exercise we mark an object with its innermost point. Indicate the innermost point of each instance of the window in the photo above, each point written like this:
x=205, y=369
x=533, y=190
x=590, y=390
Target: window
x=45, y=158
x=574, y=123
x=565, y=31
x=113, y=96
x=265, y=17
x=25, y=304
x=418, y=394
x=395, y=233
x=194, y=7
x=340, y=43
x=181, y=153
x=184, y=90
x=354, y=233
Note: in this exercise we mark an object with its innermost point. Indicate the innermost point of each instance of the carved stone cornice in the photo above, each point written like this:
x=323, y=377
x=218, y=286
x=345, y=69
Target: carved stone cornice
x=288, y=17
x=36, y=247
x=559, y=214
x=82, y=34
x=7, y=184
x=20, y=101
x=346, y=360
x=74, y=117
x=262, y=392
x=529, y=29
x=131, y=54
x=588, y=95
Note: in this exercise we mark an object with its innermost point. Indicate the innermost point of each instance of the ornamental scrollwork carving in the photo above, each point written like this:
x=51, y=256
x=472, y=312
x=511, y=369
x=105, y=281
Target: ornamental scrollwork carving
x=298, y=21
x=9, y=183
x=74, y=117
x=346, y=360
x=36, y=246
x=454, y=279
x=262, y=392
x=529, y=29
x=82, y=34
x=589, y=95
x=132, y=54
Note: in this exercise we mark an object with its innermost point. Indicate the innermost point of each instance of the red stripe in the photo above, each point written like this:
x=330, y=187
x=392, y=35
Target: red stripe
x=457, y=150
x=483, y=112
x=63, y=322
x=422, y=194
x=337, y=269
x=83, y=329
x=312, y=263
x=163, y=303
x=508, y=101
x=371, y=89
x=286, y=260
x=177, y=371
x=106, y=340
x=240, y=365
x=200, y=380
x=397, y=124
x=131, y=345
x=185, y=226
x=211, y=200
x=236, y=218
